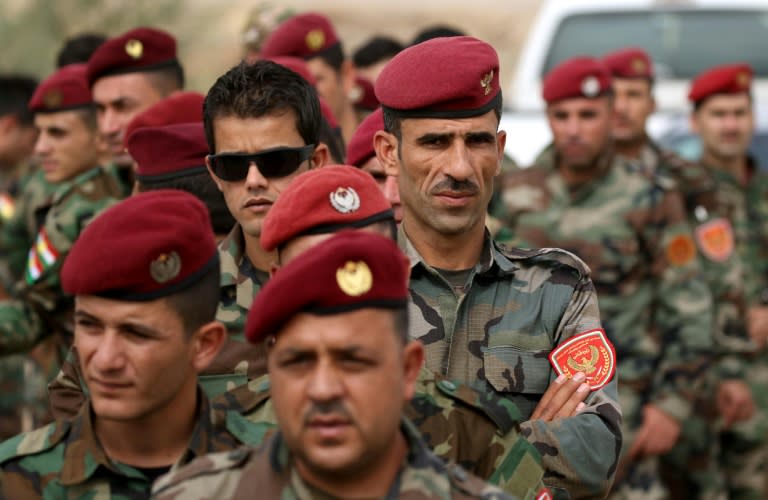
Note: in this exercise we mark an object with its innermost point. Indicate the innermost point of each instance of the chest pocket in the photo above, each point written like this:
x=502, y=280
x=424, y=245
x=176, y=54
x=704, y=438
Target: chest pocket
x=511, y=369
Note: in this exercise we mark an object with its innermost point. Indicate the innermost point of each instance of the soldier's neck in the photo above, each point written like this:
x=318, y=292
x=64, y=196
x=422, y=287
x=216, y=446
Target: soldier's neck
x=260, y=258
x=373, y=482
x=348, y=123
x=735, y=165
x=451, y=252
x=631, y=148
x=150, y=441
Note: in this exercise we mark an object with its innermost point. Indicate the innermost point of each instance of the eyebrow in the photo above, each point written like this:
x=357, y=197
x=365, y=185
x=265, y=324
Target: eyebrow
x=433, y=136
x=124, y=325
x=338, y=351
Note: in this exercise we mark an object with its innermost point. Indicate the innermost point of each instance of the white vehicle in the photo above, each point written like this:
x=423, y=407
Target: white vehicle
x=683, y=38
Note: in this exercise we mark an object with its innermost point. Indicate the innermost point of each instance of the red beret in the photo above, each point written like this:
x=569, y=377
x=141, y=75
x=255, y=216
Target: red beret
x=324, y=200
x=630, y=62
x=360, y=147
x=303, y=35
x=576, y=77
x=364, y=96
x=728, y=79
x=168, y=151
x=179, y=107
x=141, y=49
x=150, y=245
x=444, y=77
x=351, y=270
x=297, y=66
x=66, y=89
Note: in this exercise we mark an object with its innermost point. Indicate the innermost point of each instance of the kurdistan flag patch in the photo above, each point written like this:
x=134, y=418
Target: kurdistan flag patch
x=41, y=256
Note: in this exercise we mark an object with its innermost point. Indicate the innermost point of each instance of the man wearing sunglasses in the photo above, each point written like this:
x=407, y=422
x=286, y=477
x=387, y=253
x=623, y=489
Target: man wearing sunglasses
x=262, y=123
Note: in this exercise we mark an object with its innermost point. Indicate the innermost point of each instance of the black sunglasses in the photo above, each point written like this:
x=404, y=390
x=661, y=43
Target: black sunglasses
x=272, y=163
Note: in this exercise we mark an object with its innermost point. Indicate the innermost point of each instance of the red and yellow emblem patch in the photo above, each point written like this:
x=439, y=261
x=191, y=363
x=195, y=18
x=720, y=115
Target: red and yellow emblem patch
x=589, y=352
x=716, y=240
x=681, y=250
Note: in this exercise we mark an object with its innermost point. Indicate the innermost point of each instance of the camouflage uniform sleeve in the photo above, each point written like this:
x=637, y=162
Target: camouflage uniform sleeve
x=66, y=392
x=683, y=323
x=580, y=453
x=215, y=475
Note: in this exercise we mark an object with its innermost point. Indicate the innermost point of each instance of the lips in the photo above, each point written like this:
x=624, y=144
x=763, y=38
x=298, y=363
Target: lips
x=107, y=386
x=328, y=427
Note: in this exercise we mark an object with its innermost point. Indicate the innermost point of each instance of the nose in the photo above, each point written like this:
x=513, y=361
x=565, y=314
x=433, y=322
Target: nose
x=110, y=123
x=459, y=165
x=108, y=355
x=255, y=180
x=324, y=383
x=42, y=145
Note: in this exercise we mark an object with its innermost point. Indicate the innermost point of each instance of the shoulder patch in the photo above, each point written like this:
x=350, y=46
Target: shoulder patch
x=589, y=352
x=545, y=255
x=681, y=250
x=33, y=442
x=716, y=240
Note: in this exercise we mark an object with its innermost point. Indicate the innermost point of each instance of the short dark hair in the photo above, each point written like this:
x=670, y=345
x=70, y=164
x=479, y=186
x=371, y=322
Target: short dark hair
x=196, y=305
x=202, y=186
x=167, y=79
x=333, y=56
x=89, y=116
x=376, y=49
x=15, y=93
x=393, y=119
x=400, y=318
x=260, y=89
x=698, y=104
x=437, y=31
x=78, y=49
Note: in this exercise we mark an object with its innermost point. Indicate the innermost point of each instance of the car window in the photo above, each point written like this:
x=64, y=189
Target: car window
x=681, y=43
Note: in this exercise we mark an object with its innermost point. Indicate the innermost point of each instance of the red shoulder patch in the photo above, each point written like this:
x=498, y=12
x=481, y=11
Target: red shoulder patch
x=681, y=250
x=716, y=240
x=544, y=494
x=589, y=352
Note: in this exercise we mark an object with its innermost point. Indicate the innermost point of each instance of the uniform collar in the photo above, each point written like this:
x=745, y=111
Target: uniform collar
x=231, y=252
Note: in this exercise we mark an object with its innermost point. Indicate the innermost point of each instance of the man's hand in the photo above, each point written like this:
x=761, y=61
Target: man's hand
x=757, y=325
x=563, y=398
x=656, y=436
x=734, y=402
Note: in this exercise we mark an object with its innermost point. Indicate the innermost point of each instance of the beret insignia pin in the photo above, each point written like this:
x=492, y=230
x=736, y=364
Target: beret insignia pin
x=354, y=278
x=590, y=86
x=134, y=48
x=638, y=66
x=742, y=80
x=166, y=267
x=52, y=98
x=315, y=40
x=345, y=200
x=485, y=82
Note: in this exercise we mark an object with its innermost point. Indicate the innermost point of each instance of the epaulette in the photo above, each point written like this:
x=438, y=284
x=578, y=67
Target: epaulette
x=76, y=185
x=205, y=465
x=34, y=442
x=553, y=257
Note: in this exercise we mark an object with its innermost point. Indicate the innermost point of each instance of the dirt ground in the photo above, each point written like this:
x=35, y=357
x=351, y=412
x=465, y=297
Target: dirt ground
x=207, y=52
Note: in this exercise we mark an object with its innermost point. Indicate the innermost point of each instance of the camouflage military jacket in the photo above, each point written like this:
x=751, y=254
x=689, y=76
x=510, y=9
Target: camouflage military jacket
x=496, y=334
x=633, y=234
x=65, y=459
x=478, y=431
x=41, y=306
x=269, y=471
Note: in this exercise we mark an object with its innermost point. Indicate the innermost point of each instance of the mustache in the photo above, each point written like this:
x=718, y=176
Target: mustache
x=451, y=185
x=335, y=407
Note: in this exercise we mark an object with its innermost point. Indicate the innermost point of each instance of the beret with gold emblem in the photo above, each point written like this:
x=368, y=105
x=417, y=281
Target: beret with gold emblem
x=168, y=151
x=630, y=62
x=324, y=200
x=451, y=77
x=360, y=147
x=726, y=79
x=148, y=246
x=579, y=76
x=351, y=270
x=140, y=49
x=363, y=95
x=304, y=35
x=180, y=107
x=66, y=89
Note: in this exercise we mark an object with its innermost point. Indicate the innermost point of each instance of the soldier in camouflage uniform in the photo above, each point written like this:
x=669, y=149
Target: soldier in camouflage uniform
x=477, y=430
x=145, y=299
x=491, y=316
x=732, y=232
x=341, y=332
x=632, y=232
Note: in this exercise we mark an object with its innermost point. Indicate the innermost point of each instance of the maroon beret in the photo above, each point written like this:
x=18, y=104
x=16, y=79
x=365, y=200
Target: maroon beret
x=297, y=66
x=351, y=270
x=360, y=147
x=168, y=151
x=141, y=49
x=324, y=200
x=580, y=76
x=327, y=113
x=728, y=79
x=363, y=94
x=444, y=77
x=150, y=245
x=179, y=107
x=304, y=35
x=630, y=62
x=66, y=89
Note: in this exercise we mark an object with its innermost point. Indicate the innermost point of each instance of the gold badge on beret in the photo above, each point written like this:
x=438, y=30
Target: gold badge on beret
x=590, y=86
x=345, y=200
x=742, y=79
x=53, y=98
x=315, y=40
x=485, y=82
x=134, y=48
x=354, y=278
x=166, y=267
x=638, y=66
